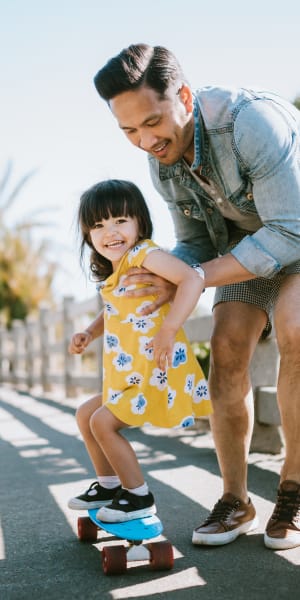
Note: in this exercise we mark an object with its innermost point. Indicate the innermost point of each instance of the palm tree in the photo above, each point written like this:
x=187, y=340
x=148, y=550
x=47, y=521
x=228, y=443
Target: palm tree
x=26, y=273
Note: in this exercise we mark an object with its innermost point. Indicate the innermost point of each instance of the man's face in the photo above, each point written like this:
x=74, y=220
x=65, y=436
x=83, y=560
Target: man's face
x=162, y=127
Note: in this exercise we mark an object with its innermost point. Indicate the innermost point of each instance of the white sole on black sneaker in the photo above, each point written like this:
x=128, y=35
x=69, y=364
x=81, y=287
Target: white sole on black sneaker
x=109, y=515
x=76, y=504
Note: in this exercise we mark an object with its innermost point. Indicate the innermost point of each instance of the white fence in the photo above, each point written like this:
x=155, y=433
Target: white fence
x=35, y=352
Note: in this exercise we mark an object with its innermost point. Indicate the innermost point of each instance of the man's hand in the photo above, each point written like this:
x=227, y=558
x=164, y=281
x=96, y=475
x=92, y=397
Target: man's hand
x=154, y=286
x=79, y=342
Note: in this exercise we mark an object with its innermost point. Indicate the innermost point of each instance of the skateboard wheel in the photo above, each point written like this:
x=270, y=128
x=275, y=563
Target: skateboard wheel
x=86, y=529
x=161, y=556
x=114, y=560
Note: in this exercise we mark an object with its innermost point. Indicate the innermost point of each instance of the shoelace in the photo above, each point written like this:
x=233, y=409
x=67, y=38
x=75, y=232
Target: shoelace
x=287, y=507
x=93, y=485
x=124, y=497
x=221, y=512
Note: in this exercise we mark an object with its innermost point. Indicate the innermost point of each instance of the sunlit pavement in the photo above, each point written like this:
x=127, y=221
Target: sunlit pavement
x=43, y=462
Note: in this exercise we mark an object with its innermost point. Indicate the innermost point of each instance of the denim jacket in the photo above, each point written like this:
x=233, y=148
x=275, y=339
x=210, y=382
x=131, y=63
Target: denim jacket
x=249, y=146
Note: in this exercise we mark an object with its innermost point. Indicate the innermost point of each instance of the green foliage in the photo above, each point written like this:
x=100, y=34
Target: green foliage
x=297, y=102
x=202, y=353
x=26, y=273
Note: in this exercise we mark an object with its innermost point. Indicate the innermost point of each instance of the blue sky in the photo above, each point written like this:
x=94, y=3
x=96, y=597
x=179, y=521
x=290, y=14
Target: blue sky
x=52, y=119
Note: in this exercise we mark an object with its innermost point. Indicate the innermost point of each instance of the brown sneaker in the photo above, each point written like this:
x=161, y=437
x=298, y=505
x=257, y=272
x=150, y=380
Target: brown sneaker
x=229, y=518
x=283, y=528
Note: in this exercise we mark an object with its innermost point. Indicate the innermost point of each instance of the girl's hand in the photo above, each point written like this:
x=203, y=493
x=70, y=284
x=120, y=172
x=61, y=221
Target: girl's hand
x=154, y=286
x=79, y=342
x=162, y=344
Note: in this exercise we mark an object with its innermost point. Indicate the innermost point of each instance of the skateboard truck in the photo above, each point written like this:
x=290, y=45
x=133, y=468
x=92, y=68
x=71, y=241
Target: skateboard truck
x=115, y=558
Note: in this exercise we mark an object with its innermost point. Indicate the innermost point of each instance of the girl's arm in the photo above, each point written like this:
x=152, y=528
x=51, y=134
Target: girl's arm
x=218, y=271
x=81, y=340
x=190, y=286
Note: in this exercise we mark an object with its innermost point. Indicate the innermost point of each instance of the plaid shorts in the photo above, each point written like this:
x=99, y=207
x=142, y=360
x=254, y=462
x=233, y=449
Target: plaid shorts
x=260, y=292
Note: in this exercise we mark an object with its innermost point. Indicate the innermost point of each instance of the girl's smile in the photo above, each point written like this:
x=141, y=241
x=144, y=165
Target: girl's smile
x=114, y=236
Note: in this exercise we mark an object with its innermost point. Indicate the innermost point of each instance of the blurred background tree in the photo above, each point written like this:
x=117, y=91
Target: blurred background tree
x=26, y=271
x=297, y=102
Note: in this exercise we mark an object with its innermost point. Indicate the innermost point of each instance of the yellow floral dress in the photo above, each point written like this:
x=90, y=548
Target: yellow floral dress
x=135, y=390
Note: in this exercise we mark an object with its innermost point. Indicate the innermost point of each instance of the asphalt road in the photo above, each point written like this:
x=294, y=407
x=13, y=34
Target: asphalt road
x=43, y=462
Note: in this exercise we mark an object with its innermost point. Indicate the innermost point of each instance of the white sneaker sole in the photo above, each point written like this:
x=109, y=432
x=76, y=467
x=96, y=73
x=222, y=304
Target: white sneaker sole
x=75, y=504
x=282, y=543
x=219, y=539
x=109, y=515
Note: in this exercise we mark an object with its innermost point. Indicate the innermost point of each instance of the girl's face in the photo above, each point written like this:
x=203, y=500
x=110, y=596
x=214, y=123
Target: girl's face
x=114, y=236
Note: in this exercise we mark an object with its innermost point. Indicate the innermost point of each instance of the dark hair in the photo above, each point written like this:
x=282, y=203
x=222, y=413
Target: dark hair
x=138, y=65
x=110, y=198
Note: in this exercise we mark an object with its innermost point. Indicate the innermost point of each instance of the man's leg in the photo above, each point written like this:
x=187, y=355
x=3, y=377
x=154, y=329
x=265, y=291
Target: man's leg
x=283, y=529
x=237, y=329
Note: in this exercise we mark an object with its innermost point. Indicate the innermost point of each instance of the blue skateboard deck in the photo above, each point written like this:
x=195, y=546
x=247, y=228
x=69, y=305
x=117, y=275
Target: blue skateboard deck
x=115, y=558
x=137, y=529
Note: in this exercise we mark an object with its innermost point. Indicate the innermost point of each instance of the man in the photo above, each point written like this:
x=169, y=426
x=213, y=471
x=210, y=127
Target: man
x=227, y=162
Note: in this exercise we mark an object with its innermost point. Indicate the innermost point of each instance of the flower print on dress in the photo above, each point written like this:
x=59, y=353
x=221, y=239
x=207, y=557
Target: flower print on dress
x=152, y=249
x=114, y=396
x=111, y=342
x=120, y=289
x=134, y=379
x=179, y=354
x=135, y=250
x=110, y=310
x=159, y=379
x=171, y=397
x=200, y=391
x=189, y=383
x=138, y=404
x=142, y=324
x=187, y=422
x=122, y=361
x=147, y=352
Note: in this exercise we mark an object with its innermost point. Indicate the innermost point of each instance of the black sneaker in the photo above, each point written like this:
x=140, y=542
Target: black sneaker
x=127, y=506
x=94, y=497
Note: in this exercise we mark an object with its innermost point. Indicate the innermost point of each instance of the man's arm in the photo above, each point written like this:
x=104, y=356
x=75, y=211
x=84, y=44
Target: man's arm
x=269, y=146
x=219, y=271
x=224, y=270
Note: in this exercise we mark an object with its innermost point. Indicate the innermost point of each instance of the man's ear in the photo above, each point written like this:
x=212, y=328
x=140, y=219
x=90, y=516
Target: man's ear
x=186, y=97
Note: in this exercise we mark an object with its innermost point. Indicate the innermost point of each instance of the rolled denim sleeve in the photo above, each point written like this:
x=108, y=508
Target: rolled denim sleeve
x=267, y=146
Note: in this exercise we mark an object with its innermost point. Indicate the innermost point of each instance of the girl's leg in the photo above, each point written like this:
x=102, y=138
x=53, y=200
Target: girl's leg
x=83, y=417
x=117, y=450
x=102, y=491
x=134, y=499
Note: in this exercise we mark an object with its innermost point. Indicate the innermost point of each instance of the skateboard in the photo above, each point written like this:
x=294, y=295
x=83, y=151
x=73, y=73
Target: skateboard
x=115, y=558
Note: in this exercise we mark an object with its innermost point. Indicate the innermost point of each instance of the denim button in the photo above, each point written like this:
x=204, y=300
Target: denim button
x=249, y=196
x=187, y=212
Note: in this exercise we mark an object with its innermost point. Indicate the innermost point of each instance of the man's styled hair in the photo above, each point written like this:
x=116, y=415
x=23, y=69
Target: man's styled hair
x=139, y=65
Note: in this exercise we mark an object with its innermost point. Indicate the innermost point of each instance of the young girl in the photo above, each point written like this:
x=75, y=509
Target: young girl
x=150, y=374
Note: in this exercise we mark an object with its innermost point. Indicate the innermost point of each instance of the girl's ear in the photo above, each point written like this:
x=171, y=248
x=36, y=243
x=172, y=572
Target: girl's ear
x=186, y=97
